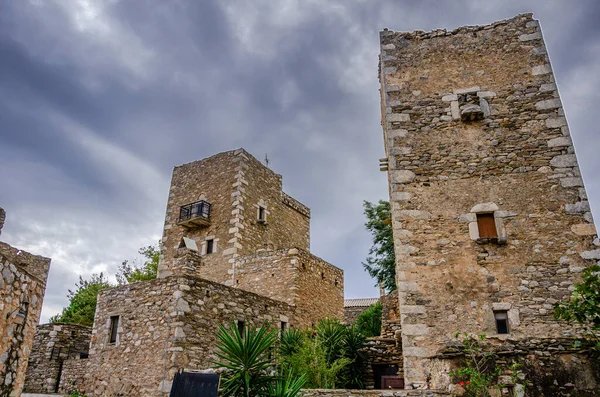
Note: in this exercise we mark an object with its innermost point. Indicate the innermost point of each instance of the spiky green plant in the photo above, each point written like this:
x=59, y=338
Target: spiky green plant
x=290, y=341
x=287, y=385
x=354, y=342
x=246, y=359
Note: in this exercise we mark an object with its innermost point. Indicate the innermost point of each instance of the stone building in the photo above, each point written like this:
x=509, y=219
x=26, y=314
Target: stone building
x=250, y=234
x=235, y=249
x=491, y=221
x=53, y=345
x=22, y=287
x=354, y=307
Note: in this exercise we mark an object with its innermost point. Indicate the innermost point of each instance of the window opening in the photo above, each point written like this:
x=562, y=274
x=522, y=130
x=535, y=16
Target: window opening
x=501, y=321
x=283, y=327
x=240, y=326
x=486, y=225
x=114, y=326
x=210, y=246
x=261, y=214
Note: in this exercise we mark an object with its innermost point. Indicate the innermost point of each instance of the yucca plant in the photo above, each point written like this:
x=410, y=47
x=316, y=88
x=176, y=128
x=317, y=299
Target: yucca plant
x=287, y=385
x=291, y=339
x=331, y=333
x=246, y=359
x=354, y=342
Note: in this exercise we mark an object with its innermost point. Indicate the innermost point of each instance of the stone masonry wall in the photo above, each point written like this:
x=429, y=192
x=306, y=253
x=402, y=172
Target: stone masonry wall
x=319, y=289
x=73, y=375
x=351, y=313
x=165, y=324
x=373, y=393
x=235, y=184
x=209, y=179
x=22, y=287
x=473, y=124
x=2, y=218
x=52, y=345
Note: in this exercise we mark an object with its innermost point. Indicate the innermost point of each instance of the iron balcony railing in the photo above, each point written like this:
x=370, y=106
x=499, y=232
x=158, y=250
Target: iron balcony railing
x=198, y=209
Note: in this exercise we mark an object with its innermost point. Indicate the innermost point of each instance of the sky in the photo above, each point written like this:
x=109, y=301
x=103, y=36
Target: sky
x=99, y=99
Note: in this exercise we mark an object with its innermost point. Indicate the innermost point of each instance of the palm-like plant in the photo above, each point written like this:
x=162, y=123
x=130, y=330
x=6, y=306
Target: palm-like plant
x=291, y=339
x=246, y=360
x=287, y=385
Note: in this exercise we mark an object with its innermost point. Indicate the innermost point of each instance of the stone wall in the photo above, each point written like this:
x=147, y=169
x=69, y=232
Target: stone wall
x=52, y=345
x=373, y=393
x=236, y=185
x=2, y=218
x=473, y=124
x=164, y=325
x=22, y=287
x=390, y=316
x=73, y=375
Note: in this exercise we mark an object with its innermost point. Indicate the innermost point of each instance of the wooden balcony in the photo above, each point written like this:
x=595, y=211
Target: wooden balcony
x=195, y=214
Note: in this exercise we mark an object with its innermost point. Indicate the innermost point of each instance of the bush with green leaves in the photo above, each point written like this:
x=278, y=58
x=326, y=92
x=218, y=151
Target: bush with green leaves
x=250, y=369
x=584, y=307
x=479, y=375
x=330, y=356
x=369, y=321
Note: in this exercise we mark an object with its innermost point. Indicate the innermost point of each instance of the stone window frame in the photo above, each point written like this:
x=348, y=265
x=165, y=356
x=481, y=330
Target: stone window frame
x=204, y=245
x=513, y=320
x=261, y=206
x=454, y=110
x=109, y=323
x=499, y=215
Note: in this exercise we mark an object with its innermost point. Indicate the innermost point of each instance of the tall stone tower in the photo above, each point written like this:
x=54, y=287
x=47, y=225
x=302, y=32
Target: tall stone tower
x=249, y=234
x=490, y=216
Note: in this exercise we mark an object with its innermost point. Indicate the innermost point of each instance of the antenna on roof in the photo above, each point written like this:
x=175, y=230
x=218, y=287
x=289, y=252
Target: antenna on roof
x=267, y=159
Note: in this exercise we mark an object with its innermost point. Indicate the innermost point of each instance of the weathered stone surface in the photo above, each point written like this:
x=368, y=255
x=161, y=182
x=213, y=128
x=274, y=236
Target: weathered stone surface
x=52, y=345
x=519, y=157
x=584, y=229
x=558, y=142
x=541, y=69
x=592, y=254
x=578, y=208
x=398, y=118
x=484, y=207
x=403, y=176
x=22, y=286
x=563, y=161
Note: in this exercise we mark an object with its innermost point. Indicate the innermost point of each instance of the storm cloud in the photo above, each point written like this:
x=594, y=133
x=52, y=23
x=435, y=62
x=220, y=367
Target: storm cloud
x=100, y=99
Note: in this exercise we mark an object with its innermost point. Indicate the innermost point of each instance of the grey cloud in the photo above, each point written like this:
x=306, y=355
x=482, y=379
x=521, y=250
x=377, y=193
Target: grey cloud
x=98, y=104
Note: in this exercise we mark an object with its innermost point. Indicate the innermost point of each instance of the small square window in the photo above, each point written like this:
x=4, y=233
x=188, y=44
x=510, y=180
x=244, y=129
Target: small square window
x=501, y=317
x=487, y=226
x=210, y=246
x=114, y=327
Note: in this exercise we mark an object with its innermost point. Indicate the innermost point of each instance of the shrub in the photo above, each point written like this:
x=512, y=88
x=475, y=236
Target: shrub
x=369, y=321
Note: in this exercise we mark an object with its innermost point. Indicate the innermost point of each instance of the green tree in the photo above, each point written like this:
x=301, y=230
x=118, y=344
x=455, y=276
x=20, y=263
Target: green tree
x=146, y=271
x=584, y=306
x=82, y=301
x=369, y=321
x=381, y=262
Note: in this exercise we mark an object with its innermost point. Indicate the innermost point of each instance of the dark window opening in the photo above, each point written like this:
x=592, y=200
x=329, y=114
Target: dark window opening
x=487, y=226
x=240, y=326
x=261, y=214
x=210, y=246
x=114, y=327
x=207, y=293
x=283, y=327
x=336, y=283
x=304, y=266
x=83, y=355
x=501, y=321
x=322, y=276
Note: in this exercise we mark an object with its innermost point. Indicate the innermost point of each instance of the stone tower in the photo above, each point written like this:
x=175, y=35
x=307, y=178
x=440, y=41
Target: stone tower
x=490, y=216
x=249, y=234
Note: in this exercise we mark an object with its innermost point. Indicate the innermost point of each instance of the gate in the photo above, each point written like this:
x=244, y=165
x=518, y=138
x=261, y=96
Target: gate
x=194, y=384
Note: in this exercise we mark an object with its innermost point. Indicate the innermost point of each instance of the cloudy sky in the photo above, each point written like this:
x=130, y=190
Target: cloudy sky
x=99, y=99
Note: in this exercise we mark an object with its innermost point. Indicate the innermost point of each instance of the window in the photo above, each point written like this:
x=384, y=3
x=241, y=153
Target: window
x=262, y=216
x=114, y=327
x=501, y=317
x=210, y=246
x=283, y=327
x=240, y=326
x=486, y=225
